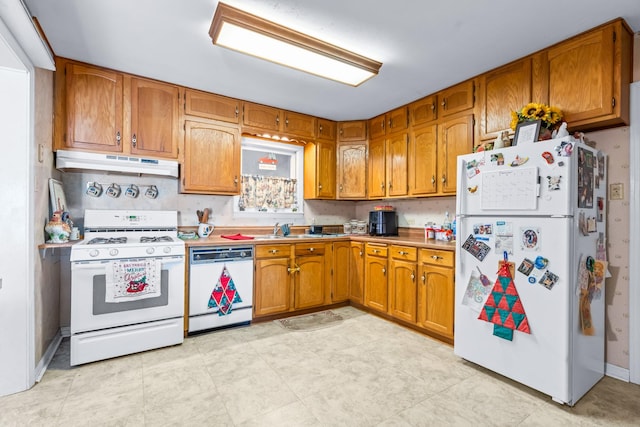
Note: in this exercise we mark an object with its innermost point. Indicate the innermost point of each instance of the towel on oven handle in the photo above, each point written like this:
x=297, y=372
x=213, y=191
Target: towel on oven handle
x=130, y=280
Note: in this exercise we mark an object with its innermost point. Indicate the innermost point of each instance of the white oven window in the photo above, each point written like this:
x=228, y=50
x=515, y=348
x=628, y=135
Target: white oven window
x=271, y=179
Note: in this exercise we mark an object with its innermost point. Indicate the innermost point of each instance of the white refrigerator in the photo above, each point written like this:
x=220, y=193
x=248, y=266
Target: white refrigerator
x=541, y=206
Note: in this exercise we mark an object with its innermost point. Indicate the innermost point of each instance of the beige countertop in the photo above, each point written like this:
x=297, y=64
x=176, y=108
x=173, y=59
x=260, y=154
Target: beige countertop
x=405, y=238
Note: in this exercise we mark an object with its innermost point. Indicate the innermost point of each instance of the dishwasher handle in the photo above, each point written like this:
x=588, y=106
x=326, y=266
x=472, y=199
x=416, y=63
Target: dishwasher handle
x=220, y=254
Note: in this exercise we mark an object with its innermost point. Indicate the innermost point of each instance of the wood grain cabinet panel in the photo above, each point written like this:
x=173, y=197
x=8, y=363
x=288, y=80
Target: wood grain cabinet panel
x=211, y=159
x=273, y=286
x=455, y=138
x=423, y=160
x=376, y=294
x=589, y=77
x=351, y=172
x=423, y=111
x=340, y=271
x=397, y=151
x=456, y=99
x=377, y=180
x=309, y=281
x=211, y=106
x=502, y=91
x=320, y=170
x=402, y=289
x=94, y=112
x=261, y=117
x=356, y=272
x=155, y=116
x=298, y=124
x=326, y=129
x=355, y=130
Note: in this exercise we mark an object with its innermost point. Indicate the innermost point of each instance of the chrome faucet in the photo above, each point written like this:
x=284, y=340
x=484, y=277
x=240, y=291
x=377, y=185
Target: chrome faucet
x=276, y=228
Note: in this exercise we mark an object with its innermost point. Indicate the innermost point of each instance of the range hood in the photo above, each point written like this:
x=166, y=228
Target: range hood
x=82, y=160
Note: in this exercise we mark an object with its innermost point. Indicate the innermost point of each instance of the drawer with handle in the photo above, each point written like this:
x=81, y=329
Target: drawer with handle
x=303, y=249
x=372, y=249
x=436, y=257
x=406, y=253
x=272, y=251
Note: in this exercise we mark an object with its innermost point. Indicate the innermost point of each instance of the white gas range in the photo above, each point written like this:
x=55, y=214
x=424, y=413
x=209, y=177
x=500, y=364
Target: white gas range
x=127, y=284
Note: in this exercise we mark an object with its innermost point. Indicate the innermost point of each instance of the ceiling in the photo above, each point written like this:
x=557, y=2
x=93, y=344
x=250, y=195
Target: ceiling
x=424, y=46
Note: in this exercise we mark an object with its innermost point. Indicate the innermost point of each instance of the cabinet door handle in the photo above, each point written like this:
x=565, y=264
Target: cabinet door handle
x=433, y=180
x=384, y=271
x=444, y=178
x=424, y=278
x=277, y=120
x=118, y=138
x=390, y=123
x=320, y=128
x=293, y=270
x=413, y=276
x=360, y=253
x=235, y=180
x=403, y=253
x=390, y=185
x=319, y=186
x=435, y=257
x=312, y=249
x=134, y=140
x=286, y=122
x=237, y=111
x=273, y=251
x=433, y=106
x=382, y=125
x=340, y=187
x=444, y=103
x=382, y=186
x=341, y=131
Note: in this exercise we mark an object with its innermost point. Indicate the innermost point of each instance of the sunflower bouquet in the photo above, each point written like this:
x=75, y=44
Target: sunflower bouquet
x=551, y=117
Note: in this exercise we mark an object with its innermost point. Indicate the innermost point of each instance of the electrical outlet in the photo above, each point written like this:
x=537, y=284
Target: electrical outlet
x=616, y=191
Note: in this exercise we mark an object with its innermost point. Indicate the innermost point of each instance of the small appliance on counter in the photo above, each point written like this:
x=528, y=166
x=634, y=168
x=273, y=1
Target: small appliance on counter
x=383, y=223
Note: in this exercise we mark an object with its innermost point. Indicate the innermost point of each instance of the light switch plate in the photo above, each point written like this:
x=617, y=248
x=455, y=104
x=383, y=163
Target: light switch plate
x=616, y=191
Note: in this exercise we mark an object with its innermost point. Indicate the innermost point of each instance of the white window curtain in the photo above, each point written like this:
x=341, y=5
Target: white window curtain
x=268, y=193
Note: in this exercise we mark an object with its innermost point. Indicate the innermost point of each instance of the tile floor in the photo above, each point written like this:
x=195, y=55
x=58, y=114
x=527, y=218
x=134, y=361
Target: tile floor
x=364, y=371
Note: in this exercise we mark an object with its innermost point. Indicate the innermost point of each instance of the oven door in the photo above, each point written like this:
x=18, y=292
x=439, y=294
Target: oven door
x=90, y=310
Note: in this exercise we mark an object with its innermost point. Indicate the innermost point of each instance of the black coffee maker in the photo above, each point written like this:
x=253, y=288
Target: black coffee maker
x=383, y=223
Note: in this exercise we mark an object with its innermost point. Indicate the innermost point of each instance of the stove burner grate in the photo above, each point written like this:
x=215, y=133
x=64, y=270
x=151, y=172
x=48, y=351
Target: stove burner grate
x=155, y=239
x=105, y=241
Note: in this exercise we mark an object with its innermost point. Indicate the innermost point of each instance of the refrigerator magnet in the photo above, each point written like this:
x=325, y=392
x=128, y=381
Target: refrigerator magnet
x=548, y=279
x=541, y=262
x=497, y=159
x=476, y=248
x=553, y=182
x=548, y=157
x=526, y=266
x=530, y=238
x=519, y=161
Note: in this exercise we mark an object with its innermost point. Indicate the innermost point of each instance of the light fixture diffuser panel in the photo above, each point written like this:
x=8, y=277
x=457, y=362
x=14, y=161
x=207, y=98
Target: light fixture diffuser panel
x=242, y=32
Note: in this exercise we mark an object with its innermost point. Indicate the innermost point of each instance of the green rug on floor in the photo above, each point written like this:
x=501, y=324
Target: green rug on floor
x=310, y=322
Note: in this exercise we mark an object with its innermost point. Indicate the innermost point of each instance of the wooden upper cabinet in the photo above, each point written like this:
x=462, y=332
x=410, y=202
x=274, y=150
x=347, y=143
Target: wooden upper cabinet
x=326, y=129
x=455, y=137
x=423, y=160
x=397, y=151
x=211, y=106
x=390, y=122
x=94, y=112
x=320, y=170
x=211, y=159
x=589, y=77
x=355, y=130
x=456, y=99
x=423, y=111
x=155, y=114
x=502, y=91
x=261, y=117
x=299, y=124
x=377, y=126
x=377, y=181
x=351, y=173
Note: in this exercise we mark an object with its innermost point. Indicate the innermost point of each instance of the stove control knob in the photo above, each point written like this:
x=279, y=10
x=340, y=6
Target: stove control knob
x=113, y=252
x=94, y=253
x=150, y=250
x=166, y=249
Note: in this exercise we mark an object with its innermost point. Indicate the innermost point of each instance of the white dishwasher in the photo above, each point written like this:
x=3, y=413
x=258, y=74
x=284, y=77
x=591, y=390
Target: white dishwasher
x=220, y=286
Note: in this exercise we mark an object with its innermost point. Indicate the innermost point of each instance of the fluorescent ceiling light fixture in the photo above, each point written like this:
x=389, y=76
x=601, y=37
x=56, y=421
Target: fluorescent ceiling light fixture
x=238, y=30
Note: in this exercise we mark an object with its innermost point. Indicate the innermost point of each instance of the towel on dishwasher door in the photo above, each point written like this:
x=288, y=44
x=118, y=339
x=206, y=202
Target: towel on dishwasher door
x=132, y=280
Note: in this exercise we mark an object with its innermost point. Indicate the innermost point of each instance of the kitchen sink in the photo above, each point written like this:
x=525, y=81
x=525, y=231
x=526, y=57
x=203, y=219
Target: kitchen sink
x=290, y=236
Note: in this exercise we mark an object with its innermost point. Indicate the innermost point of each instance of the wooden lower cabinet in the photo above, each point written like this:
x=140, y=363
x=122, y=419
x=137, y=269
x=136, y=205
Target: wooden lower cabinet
x=340, y=271
x=272, y=286
x=375, y=277
x=402, y=282
x=356, y=272
x=309, y=279
x=289, y=277
x=436, y=292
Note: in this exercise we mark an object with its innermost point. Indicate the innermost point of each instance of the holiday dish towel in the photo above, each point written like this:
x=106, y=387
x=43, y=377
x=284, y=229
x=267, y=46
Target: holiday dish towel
x=130, y=280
